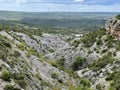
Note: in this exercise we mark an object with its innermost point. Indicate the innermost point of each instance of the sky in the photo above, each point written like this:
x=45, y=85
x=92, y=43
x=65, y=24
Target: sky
x=61, y=5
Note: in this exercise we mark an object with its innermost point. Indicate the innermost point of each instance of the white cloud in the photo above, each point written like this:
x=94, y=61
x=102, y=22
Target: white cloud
x=21, y=1
x=78, y=0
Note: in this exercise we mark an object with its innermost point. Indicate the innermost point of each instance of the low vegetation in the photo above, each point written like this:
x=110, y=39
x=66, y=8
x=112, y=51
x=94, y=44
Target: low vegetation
x=78, y=63
x=118, y=17
x=11, y=87
x=89, y=39
x=115, y=80
x=102, y=62
x=5, y=74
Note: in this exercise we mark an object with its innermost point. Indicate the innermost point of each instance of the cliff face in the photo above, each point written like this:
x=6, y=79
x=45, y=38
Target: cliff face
x=113, y=26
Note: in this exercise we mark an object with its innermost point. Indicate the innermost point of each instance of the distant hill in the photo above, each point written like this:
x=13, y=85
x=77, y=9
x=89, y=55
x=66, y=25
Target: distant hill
x=57, y=22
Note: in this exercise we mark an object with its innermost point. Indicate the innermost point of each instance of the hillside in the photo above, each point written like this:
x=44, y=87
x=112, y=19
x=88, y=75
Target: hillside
x=24, y=67
x=35, y=60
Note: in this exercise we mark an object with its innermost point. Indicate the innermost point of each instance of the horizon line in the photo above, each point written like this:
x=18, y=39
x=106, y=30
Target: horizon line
x=56, y=11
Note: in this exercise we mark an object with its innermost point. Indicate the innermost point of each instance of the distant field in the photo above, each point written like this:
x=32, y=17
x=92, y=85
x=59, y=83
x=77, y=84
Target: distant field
x=57, y=22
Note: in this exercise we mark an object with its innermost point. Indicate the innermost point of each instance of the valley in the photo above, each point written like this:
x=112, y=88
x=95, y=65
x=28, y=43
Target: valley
x=59, y=51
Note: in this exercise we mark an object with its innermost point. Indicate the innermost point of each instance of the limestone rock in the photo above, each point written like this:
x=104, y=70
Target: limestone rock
x=113, y=27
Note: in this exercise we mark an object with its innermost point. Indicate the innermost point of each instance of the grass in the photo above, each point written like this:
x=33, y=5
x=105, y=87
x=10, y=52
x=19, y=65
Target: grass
x=5, y=74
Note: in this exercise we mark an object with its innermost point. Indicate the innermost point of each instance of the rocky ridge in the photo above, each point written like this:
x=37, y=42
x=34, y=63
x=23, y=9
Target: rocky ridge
x=113, y=26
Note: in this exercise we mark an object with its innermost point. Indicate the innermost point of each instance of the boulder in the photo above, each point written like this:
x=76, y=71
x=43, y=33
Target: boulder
x=113, y=26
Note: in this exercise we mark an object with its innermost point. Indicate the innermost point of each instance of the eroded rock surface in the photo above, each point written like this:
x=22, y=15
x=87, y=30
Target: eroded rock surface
x=113, y=27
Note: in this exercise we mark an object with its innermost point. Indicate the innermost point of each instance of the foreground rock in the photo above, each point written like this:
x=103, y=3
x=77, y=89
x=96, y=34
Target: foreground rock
x=113, y=26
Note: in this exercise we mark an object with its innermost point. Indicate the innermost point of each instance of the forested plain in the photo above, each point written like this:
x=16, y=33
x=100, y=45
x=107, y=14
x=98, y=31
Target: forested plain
x=55, y=22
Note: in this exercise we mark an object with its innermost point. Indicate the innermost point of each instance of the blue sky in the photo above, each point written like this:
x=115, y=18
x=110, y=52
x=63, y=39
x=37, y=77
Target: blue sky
x=61, y=5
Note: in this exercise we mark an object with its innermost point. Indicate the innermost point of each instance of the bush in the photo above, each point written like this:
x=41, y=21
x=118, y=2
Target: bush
x=16, y=54
x=7, y=44
x=99, y=87
x=52, y=51
x=118, y=17
x=115, y=78
x=54, y=75
x=78, y=63
x=5, y=74
x=1, y=56
x=11, y=87
x=61, y=62
x=110, y=77
x=76, y=43
x=104, y=51
x=32, y=51
x=84, y=85
x=21, y=46
x=85, y=82
x=60, y=81
x=20, y=79
x=99, y=42
x=22, y=83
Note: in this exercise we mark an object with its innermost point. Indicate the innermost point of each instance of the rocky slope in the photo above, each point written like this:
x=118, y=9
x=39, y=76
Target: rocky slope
x=57, y=62
x=24, y=68
x=104, y=72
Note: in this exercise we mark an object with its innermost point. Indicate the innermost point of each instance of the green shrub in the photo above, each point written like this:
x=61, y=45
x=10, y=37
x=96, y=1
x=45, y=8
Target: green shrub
x=52, y=51
x=1, y=56
x=16, y=54
x=22, y=83
x=58, y=63
x=109, y=44
x=76, y=43
x=78, y=63
x=5, y=74
x=21, y=46
x=11, y=87
x=54, y=75
x=84, y=85
x=99, y=42
x=98, y=87
x=60, y=81
x=104, y=51
x=115, y=78
x=61, y=62
x=53, y=63
x=110, y=77
x=4, y=42
x=7, y=44
x=18, y=76
x=118, y=17
x=20, y=79
x=32, y=51
x=85, y=82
